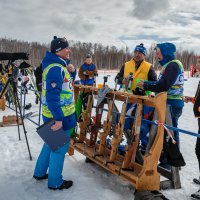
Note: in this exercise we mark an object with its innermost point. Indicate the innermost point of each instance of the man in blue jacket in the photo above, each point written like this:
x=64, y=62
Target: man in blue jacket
x=57, y=103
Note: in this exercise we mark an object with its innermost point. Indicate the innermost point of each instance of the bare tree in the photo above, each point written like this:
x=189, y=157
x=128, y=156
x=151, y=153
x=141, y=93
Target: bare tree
x=105, y=57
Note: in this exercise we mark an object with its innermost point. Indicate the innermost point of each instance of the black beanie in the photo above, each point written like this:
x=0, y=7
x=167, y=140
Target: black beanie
x=88, y=56
x=57, y=44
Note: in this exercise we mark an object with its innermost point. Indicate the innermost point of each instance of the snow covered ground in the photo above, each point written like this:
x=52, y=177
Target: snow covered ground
x=90, y=181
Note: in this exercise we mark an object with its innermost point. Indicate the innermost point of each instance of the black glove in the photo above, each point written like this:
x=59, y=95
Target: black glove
x=139, y=91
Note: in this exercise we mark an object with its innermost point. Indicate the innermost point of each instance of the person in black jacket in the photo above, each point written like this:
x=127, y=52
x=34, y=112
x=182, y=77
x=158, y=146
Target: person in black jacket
x=38, y=75
x=170, y=80
x=196, y=109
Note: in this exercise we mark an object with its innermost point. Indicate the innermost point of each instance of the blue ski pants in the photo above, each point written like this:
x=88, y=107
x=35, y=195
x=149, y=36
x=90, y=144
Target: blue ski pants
x=175, y=114
x=52, y=161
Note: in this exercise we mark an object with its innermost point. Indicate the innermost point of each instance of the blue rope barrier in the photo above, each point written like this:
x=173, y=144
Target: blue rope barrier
x=144, y=120
x=173, y=128
x=154, y=123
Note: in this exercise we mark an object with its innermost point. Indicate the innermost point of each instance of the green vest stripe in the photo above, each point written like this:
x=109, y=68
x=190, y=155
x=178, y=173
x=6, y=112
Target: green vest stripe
x=67, y=94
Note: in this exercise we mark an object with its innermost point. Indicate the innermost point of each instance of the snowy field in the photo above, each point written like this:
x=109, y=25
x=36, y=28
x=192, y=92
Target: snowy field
x=91, y=182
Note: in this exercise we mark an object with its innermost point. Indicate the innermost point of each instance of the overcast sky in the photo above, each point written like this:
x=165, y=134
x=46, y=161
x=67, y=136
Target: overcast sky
x=114, y=22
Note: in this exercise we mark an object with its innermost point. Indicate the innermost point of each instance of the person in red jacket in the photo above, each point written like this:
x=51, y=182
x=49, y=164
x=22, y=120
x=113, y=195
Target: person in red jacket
x=196, y=109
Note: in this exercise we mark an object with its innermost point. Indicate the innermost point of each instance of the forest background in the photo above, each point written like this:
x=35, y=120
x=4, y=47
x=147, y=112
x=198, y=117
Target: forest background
x=105, y=57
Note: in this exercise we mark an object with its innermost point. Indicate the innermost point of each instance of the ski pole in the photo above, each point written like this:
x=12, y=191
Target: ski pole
x=116, y=82
x=128, y=78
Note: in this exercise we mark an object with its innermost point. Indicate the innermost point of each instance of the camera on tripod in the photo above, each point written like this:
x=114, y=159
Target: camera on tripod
x=13, y=56
x=11, y=71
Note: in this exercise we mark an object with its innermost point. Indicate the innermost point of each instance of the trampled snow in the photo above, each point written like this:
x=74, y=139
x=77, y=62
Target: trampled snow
x=90, y=181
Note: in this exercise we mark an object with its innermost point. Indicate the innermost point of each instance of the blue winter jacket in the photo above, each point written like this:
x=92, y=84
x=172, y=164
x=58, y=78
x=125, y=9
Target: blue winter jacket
x=86, y=67
x=53, y=95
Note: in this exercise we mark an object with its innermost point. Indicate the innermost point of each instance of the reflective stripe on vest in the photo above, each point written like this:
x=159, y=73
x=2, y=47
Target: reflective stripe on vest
x=140, y=73
x=176, y=90
x=66, y=95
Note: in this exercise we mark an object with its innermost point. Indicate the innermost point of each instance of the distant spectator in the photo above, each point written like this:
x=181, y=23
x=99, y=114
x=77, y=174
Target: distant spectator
x=87, y=71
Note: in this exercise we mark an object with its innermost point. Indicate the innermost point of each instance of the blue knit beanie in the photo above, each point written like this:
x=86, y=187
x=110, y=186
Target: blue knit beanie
x=141, y=49
x=57, y=44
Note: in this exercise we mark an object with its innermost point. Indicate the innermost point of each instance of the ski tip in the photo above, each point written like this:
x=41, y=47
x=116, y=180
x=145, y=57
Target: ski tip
x=196, y=181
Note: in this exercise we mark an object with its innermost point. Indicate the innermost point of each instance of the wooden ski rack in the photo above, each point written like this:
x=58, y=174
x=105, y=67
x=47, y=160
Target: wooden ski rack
x=71, y=149
x=2, y=103
x=10, y=120
x=142, y=176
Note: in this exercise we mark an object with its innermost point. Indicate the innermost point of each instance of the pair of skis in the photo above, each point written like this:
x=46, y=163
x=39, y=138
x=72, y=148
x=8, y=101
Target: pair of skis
x=83, y=113
x=97, y=119
x=107, y=124
x=119, y=127
x=196, y=195
x=30, y=114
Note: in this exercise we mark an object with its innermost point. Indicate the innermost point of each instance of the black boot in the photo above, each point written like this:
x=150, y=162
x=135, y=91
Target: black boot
x=40, y=177
x=27, y=106
x=87, y=160
x=65, y=185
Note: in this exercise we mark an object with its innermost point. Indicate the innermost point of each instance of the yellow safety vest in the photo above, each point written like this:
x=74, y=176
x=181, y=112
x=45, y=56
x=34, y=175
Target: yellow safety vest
x=141, y=73
x=176, y=90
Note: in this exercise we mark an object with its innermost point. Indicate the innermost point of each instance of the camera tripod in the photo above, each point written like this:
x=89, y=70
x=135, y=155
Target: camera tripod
x=12, y=80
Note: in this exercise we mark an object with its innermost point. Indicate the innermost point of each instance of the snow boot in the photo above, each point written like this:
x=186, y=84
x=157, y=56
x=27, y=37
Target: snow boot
x=40, y=177
x=196, y=195
x=87, y=160
x=65, y=185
